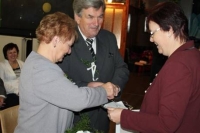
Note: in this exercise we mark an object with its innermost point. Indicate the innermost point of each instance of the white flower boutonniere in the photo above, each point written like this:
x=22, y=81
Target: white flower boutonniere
x=91, y=66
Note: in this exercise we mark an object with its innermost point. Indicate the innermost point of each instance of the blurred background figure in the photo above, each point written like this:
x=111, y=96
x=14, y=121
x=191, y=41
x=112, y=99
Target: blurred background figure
x=10, y=70
x=158, y=61
x=196, y=42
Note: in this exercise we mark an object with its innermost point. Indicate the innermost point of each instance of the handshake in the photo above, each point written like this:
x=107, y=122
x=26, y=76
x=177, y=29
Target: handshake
x=111, y=89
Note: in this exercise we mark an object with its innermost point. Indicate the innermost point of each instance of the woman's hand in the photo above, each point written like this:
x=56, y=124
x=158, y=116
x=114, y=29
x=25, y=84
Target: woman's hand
x=114, y=114
x=111, y=90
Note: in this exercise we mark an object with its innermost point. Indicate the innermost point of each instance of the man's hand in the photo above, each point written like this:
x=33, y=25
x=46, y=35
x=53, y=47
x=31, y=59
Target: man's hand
x=111, y=89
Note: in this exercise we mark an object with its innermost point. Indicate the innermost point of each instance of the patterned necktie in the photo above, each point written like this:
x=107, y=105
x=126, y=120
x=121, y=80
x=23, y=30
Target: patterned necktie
x=89, y=44
x=93, y=64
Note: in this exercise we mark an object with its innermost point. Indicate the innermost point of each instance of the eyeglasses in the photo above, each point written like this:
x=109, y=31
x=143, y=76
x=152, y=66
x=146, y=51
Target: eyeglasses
x=153, y=32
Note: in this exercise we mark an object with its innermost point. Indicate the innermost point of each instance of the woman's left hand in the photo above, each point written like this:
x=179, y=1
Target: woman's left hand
x=114, y=114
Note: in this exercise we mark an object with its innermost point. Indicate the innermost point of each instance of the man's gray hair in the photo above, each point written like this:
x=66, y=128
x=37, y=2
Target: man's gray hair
x=78, y=5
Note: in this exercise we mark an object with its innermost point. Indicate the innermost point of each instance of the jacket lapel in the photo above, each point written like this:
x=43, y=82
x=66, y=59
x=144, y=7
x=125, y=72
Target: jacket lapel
x=83, y=52
x=101, y=54
x=81, y=49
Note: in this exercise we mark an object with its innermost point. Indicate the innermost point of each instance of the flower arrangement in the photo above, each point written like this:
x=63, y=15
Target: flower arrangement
x=83, y=126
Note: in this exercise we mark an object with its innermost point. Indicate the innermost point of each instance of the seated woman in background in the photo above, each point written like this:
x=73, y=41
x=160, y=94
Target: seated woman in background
x=10, y=70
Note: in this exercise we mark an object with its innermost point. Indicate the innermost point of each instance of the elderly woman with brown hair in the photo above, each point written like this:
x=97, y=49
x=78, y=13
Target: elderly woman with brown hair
x=47, y=97
x=10, y=70
x=171, y=103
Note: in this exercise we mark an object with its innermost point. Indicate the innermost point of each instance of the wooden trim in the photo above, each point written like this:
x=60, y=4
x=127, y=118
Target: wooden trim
x=123, y=21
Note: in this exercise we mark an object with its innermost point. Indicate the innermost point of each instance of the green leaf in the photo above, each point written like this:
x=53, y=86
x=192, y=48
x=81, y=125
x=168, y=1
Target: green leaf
x=83, y=125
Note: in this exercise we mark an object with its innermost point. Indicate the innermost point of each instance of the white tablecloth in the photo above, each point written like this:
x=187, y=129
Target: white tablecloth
x=118, y=129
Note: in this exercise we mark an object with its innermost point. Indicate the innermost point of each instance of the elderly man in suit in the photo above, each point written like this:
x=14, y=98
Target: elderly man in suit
x=2, y=93
x=94, y=65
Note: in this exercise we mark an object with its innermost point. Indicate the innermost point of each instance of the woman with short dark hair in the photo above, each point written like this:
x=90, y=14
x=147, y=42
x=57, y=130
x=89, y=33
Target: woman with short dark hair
x=171, y=103
x=10, y=70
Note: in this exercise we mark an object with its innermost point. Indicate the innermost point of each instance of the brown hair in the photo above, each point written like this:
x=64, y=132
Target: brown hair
x=170, y=14
x=56, y=24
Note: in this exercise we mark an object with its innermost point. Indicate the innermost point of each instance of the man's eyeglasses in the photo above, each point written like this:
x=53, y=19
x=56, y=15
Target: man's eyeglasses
x=153, y=32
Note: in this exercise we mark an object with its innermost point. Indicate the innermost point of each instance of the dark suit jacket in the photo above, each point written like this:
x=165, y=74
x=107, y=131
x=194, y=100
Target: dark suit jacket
x=110, y=65
x=2, y=88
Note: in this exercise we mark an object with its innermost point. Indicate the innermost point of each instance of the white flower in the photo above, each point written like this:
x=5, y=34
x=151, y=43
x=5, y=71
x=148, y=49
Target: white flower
x=83, y=132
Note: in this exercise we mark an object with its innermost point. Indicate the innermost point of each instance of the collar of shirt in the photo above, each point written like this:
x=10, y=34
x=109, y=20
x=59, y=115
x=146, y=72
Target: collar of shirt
x=94, y=40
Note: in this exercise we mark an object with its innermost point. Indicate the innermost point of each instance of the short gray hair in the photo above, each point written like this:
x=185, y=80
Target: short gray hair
x=78, y=5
